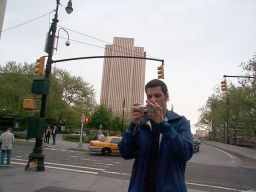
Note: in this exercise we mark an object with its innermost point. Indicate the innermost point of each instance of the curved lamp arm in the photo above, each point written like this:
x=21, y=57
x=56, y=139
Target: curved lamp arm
x=67, y=42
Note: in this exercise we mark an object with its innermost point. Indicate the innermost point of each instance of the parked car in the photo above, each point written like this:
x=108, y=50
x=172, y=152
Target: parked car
x=196, y=145
x=106, y=147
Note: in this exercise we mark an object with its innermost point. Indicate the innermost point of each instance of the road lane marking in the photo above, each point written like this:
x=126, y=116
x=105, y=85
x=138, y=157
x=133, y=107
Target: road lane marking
x=65, y=165
x=116, y=173
x=73, y=170
x=213, y=186
x=66, y=150
x=61, y=168
x=225, y=153
x=96, y=159
x=72, y=166
x=108, y=164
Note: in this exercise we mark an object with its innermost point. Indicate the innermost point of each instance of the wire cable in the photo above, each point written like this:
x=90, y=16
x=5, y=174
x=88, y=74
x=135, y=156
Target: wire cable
x=26, y=22
x=131, y=52
x=77, y=41
x=106, y=42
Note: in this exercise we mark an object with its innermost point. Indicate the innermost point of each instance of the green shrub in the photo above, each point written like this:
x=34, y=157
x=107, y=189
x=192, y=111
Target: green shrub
x=20, y=134
x=76, y=138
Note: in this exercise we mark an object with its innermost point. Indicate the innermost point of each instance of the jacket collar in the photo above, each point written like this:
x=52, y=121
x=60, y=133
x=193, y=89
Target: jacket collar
x=170, y=115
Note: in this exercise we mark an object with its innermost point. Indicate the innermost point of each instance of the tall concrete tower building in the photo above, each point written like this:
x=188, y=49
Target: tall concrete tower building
x=122, y=79
x=2, y=12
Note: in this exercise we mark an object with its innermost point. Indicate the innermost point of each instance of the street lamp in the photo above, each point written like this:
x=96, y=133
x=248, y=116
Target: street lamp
x=36, y=158
x=69, y=8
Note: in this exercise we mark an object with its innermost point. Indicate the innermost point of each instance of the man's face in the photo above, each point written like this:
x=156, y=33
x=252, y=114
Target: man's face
x=157, y=94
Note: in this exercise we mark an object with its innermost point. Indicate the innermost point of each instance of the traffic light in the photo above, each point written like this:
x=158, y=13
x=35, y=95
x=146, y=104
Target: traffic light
x=87, y=119
x=160, y=72
x=224, y=86
x=39, y=70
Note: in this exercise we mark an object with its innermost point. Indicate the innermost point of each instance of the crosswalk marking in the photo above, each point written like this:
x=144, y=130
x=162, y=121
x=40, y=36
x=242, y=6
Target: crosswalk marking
x=61, y=168
x=65, y=165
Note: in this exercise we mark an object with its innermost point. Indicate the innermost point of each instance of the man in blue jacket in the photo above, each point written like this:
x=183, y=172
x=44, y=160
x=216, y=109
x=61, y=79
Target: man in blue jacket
x=160, y=141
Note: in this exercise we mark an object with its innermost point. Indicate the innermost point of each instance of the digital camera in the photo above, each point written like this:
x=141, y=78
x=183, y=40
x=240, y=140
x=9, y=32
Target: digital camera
x=146, y=110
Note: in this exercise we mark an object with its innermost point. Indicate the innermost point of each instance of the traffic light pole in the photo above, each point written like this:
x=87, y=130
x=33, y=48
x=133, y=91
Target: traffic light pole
x=227, y=101
x=37, y=157
x=238, y=76
x=99, y=57
x=160, y=69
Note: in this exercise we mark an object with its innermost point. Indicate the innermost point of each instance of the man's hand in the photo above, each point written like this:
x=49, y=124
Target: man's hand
x=136, y=114
x=159, y=112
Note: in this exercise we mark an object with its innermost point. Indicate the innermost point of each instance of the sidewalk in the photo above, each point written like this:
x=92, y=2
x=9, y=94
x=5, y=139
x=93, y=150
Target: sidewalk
x=15, y=178
x=60, y=144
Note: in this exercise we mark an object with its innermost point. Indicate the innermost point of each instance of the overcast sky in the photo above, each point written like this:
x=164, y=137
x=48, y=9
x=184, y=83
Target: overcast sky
x=200, y=40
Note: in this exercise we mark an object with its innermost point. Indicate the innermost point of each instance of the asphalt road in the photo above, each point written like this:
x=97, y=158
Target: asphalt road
x=211, y=169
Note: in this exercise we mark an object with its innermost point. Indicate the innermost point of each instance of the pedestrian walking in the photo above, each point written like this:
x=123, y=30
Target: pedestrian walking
x=54, y=133
x=7, y=139
x=48, y=135
x=160, y=141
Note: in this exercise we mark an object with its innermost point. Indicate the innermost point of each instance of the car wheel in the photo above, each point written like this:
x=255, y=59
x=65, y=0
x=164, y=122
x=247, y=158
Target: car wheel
x=106, y=151
x=198, y=149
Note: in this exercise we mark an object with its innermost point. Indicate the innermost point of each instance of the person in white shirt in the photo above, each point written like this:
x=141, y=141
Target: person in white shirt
x=100, y=135
x=7, y=139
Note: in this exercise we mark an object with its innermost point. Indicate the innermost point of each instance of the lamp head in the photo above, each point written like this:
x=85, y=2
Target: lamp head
x=69, y=8
x=67, y=43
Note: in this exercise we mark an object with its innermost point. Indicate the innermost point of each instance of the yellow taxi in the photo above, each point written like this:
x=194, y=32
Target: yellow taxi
x=106, y=147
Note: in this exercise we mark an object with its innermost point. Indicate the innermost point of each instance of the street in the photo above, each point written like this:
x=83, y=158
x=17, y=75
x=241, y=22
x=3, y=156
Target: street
x=211, y=169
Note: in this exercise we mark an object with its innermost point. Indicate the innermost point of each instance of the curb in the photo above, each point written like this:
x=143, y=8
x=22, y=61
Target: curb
x=236, y=152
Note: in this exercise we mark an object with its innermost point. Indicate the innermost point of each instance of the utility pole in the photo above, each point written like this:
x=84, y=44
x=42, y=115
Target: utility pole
x=227, y=106
x=80, y=144
x=224, y=88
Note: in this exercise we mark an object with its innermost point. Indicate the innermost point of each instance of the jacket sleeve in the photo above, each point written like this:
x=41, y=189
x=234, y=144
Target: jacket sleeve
x=178, y=139
x=128, y=145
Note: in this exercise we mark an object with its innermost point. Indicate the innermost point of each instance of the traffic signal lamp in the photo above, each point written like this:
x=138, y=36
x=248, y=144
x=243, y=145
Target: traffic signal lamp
x=160, y=72
x=39, y=70
x=87, y=119
x=224, y=86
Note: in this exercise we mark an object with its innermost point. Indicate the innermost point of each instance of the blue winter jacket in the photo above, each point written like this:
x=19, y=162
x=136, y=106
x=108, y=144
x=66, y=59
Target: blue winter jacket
x=176, y=147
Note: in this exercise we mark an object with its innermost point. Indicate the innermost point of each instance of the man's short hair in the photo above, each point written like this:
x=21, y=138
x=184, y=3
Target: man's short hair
x=157, y=83
x=9, y=129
